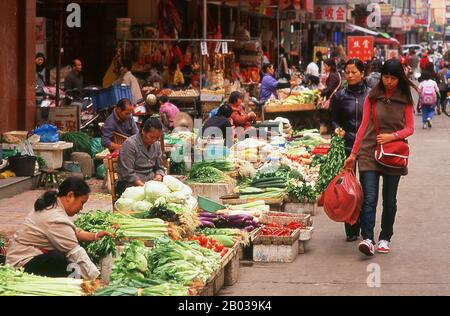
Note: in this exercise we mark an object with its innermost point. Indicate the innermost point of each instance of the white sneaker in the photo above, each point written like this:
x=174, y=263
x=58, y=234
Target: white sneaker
x=383, y=246
x=366, y=247
x=425, y=126
x=429, y=123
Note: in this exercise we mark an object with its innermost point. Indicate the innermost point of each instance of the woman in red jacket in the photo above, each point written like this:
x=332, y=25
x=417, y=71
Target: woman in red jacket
x=393, y=104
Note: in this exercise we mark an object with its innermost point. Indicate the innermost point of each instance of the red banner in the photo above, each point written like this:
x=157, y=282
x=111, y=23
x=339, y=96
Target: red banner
x=360, y=47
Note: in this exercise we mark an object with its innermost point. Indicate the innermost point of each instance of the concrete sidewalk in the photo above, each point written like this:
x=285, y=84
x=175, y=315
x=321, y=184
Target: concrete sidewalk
x=420, y=257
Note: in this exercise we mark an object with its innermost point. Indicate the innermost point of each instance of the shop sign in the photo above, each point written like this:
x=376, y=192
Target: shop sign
x=224, y=48
x=396, y=22
x=407, y=23
x=360, y=47
x=204, y=48
x=66, y=118
x=421, y=21
x=308, y=6
x=386, y=12
x=289, y=4
x=329, y=13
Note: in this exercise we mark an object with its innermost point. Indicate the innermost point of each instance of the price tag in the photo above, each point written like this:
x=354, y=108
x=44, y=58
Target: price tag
x=224, y=47
x=204, y=48
x=217, y=50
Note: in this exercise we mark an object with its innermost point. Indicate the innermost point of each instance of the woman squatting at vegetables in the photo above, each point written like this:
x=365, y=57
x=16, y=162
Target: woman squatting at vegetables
x=140, y=158
x=48, y=241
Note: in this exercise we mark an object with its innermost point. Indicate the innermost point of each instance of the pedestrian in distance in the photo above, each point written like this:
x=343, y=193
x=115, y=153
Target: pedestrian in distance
x=443, y=86
x=392, y=102
x=346, y=113
x=429, y=95
x=374, y=75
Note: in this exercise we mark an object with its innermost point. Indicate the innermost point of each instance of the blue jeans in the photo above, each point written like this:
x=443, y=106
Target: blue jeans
x=370, y=181
x=427, y=113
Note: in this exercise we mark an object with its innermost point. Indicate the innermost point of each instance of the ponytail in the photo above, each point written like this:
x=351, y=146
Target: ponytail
x=48, y=200
x=72, y=184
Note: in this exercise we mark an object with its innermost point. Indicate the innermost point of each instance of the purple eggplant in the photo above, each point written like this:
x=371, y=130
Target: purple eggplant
x=205, y=223
x=242, y=217
x=206, y=214
x=249, y=228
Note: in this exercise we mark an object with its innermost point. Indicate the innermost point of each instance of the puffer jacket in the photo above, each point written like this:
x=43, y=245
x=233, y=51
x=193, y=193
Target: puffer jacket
x=346, y=111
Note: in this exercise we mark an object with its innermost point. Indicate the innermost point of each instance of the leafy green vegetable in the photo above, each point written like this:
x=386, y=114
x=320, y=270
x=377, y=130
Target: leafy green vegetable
x=206, y=175
x=132, y=263
x=222, y=165
x=301, y=191
x=182, y=261
x=18, y=283
x=81, y=142
x=318, y=160
x=333, y=164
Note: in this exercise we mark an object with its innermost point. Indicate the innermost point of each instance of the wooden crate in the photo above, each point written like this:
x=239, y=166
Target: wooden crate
x=275, y=108
x=276, y=205
x=291, y=206
x=232, y=267
x=284, y=218
x=275, y=248
x=212, y=191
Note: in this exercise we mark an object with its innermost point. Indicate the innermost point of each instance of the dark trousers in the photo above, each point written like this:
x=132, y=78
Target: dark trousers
x=443, y=100
x=370, y=181
x=121, y=186
x=52, y=264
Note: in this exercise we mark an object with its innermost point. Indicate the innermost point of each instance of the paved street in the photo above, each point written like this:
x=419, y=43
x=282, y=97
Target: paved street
x=419, y=260
x=417, y=265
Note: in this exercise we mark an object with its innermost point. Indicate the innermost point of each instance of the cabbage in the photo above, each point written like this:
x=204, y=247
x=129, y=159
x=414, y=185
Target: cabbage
x=124, y=204
x=192, y=203
x=142, y=206
x=179, y=197
x=173, y=183
x=187, y=190
x=155, y=189
x=134, y=193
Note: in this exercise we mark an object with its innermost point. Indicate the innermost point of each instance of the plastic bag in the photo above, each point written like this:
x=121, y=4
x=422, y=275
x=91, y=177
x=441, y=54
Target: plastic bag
x=96, y=146
x=100, y=171
x=48, y=133
x=342, y=199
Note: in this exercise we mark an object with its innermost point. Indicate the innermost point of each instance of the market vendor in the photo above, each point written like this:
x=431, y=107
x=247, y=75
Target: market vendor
x=47, y=243
x=222, y=121
x=120, y=121
x=140, y=158
x=127, y=78
x=239, y=117
x=167, y=111
x=269, y=85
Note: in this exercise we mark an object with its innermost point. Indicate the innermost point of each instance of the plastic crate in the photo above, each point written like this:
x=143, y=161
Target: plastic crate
x=119, y=92
x=101, y=99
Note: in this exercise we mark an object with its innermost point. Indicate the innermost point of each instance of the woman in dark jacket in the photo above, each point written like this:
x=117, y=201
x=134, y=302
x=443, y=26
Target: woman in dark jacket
x=332, y=84
x=333, y=79
x=42, y=72
x=346, y=113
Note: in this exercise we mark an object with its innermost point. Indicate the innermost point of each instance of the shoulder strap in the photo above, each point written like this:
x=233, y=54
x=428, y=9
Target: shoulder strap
x=375, y=121
x=337, y=88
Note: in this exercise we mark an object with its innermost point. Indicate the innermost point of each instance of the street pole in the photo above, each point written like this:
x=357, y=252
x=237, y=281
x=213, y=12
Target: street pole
x=58, y=66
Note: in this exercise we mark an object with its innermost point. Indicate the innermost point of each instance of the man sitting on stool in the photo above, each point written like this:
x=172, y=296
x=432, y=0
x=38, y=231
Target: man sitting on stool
x=120, y=121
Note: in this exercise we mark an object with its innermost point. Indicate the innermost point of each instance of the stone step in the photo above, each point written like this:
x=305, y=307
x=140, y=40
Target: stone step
x=15, y=185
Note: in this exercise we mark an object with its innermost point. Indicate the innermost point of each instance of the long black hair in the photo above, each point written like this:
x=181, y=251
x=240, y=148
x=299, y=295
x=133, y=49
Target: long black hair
x=394, y=68
x=332, y=64
x=72, y=184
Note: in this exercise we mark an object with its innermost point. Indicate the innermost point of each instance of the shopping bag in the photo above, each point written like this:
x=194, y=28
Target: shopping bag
x=48, y=133
x=342, y=199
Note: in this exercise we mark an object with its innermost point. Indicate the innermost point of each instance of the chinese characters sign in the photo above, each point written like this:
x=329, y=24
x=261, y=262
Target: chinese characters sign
x=360, y=47
x=329, y=13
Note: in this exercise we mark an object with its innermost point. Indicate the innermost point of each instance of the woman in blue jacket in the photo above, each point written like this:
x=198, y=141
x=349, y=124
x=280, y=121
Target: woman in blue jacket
x=346, y=113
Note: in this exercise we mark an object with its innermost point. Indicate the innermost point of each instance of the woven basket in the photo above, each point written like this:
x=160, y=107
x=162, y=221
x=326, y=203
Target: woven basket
x=285, y=218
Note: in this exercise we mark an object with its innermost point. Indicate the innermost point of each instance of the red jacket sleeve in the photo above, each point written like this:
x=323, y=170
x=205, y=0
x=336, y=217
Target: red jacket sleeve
x=238, y=119
x=409, y=124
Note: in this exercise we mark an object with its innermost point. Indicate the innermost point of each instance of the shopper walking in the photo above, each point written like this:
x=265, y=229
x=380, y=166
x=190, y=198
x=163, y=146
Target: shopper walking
x=442, y=85
x=429, y=94
x=392, y=102
x=331, y=87
x=346, y=113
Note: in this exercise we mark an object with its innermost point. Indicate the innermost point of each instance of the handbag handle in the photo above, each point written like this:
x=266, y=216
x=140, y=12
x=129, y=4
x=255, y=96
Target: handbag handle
x=337, y=88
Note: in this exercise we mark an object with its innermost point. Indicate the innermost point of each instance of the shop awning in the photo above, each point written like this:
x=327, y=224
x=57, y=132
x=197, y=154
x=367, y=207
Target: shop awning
x=353, y=27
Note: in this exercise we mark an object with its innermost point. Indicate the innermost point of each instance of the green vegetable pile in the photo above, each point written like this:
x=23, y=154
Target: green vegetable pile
x=222, y=165
x=18, y=283
x=122, y=226
x=182, y=261
x=131, y=276
x=81, y=142
x=333, y=164
x=233, y=233
x=302, y=192
x=206, y=175
x=318, y=160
